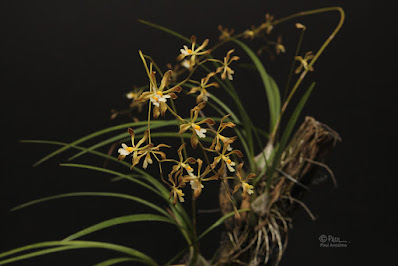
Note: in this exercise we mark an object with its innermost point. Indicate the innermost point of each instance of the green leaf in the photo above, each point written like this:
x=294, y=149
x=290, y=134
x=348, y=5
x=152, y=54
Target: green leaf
x=219, y=222
x=270, y=86
x=106, y=156
x=225, y=107
x=99, y=169
x=37, y=253
x=120, y=220
x=178, y=210
x=88, y=137
x=123, y=135
x=70, y=245
x=289, y=128
x=96, y=194
x=177, y=256
x=139, y=130
x=165, y=30
x=275, y=88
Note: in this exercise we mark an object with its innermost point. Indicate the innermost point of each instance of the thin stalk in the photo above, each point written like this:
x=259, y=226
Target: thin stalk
x=146, y=68
x=154, y=64
x=179, y=118
x=188, y=77
x=293, y=64
x=195, y=235
x=323, y=47
x=149, y=122
x=171, y=100
x=184, y=150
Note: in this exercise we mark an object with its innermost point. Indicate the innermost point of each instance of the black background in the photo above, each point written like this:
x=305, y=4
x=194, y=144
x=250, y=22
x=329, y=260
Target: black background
x=65, y=64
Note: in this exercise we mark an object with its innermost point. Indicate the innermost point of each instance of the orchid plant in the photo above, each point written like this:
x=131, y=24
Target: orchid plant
x=254, y=188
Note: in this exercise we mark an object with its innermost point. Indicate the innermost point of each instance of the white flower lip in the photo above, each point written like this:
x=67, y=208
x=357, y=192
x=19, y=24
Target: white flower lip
x=157, y=98
x=185, y=50
x=201, y=132
x=124, y=150
x=130, y=95
x=188, y=168
x=248, y=188
x=194, y=185
x=230, y=164
x=186, y=63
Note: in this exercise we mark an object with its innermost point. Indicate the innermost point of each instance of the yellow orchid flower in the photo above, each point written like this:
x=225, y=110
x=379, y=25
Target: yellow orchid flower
x=176, y=183
x=192, y=52
x=224, y=156
x=182, y=164
x=225, y=69
x=196, y=180
x=304, y=62
x=215, y=145
x=247, y=188
x=197, y=130
x=155, y=150
x=135, y=149
x=203, y=95
x=225, y=33
x=159, y=96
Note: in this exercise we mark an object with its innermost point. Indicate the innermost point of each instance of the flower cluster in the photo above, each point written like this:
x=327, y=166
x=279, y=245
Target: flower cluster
x=160, y=96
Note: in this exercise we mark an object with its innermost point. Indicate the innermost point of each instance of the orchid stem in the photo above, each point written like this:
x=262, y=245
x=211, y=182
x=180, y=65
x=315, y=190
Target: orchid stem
x=323, y=47
x=194, y=223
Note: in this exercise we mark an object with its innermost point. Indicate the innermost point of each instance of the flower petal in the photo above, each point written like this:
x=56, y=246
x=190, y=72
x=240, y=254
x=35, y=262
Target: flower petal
x=194, y=140
x=166, y=80
x=183, y=128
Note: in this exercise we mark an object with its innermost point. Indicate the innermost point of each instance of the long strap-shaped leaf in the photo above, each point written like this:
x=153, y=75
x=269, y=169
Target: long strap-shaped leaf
x=120, y=220
x=95, y=194
x=165, y=30
x=104, y=170
x=126, y=137
x=273, y=96
x=73, y=245
x=38, y=253
x=161, y=189
x=123, y=135
x=288, y=130
x=208, y=230
x=219, y=222
x=90, y=136
x=179, y=212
